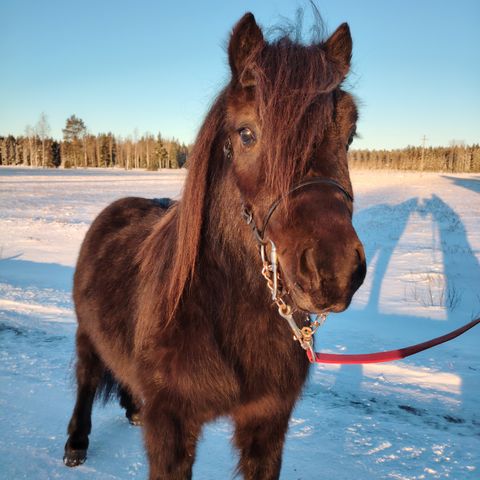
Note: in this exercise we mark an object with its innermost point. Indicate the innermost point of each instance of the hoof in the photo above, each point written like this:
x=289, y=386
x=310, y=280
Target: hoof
x=73, y=458
x=135, y=419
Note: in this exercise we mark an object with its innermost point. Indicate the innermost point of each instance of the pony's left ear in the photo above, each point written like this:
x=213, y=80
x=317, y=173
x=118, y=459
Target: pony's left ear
x=245, y=42
x=339, y=48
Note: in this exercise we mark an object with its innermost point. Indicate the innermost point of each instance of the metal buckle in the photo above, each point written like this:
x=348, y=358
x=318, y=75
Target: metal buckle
x=271, y=265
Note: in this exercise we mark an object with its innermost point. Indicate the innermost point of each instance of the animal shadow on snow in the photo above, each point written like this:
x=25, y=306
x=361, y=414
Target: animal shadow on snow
x=38, y=284
x=381, y=228
x=25, y=273
x=472, y=183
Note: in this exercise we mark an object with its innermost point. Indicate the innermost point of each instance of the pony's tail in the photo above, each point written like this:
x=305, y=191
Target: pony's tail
x=108, y=389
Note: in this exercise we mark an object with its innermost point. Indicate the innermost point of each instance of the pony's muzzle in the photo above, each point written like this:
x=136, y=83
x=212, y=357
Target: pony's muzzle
x=326, y=279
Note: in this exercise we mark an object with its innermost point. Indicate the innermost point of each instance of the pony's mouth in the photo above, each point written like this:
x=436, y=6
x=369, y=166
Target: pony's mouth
x=318, y=306
x=317, y=302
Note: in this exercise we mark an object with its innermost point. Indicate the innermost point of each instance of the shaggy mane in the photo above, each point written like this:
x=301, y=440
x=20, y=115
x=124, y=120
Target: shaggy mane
x=294, y=88
x=186, y=218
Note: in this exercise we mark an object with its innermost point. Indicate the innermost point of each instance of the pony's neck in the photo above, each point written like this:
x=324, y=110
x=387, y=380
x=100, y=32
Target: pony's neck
x=228, y=245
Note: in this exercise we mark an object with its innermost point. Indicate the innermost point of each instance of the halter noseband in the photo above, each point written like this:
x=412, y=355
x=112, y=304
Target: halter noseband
x=260, y=232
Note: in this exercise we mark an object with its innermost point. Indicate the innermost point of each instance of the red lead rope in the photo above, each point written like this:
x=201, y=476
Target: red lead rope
x=391, y=354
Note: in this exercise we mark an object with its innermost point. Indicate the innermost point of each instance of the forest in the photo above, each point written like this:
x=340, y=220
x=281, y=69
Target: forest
x=454, y=158
x=79, y=148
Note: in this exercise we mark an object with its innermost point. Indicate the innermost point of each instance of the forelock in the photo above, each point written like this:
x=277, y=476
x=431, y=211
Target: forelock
x=295, y=105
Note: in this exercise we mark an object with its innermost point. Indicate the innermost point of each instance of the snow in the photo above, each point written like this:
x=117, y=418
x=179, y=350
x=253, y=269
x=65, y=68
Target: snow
x=414, y=419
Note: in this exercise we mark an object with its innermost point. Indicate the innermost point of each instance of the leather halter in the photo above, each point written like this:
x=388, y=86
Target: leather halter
x=260, y=232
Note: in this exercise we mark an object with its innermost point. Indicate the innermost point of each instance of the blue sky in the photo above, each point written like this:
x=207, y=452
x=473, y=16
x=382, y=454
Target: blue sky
x=157, y=65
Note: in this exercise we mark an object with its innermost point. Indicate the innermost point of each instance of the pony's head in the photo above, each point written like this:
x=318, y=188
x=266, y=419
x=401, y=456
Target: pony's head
x=282, y=121
x=287, y=128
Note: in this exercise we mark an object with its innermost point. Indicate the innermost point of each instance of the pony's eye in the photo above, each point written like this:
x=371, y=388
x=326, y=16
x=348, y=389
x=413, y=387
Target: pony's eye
x=350, y=139
x=247, y=136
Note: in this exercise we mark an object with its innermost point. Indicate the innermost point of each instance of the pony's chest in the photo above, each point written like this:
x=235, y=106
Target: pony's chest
x=266, y=358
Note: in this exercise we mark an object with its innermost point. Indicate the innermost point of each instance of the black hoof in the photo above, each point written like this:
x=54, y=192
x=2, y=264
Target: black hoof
x=73, y=458
x=135, y=419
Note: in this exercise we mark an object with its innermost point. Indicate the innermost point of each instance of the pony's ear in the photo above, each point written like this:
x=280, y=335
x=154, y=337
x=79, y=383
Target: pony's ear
x=339, y=48
x=245, y=42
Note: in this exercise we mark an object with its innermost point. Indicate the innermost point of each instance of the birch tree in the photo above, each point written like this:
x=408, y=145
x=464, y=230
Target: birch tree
x=42, y=129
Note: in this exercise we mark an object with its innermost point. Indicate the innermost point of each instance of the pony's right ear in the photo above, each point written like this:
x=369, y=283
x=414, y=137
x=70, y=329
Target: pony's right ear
x=339, y=48
x=246, y=40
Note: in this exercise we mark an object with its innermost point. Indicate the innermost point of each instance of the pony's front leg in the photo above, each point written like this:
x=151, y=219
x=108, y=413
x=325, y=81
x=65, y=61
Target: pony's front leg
x=170, y=440
x=260, y=429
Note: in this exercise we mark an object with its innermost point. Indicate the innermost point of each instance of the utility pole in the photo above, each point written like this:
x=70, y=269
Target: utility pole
x=424, y=142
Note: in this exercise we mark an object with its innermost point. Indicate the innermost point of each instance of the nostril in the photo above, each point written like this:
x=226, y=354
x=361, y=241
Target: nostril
x=361, y=253
x=308, y=270
x=303, y=262
x=361, y=270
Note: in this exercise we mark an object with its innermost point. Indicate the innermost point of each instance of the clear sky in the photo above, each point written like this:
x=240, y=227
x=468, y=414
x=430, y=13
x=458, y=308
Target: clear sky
x=156, y=66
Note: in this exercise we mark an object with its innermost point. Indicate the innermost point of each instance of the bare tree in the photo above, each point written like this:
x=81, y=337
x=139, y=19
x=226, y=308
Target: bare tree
x=43, y=131
x=148, y=141
x=30, y=134
x=135, y=148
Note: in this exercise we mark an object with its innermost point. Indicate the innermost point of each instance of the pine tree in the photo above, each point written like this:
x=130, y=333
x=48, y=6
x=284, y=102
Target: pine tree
x=55, y=153
x=9, y=150
x=161, y=154
x=182, y=155
x=74, y=135
x=112, y=150
x=173, y=151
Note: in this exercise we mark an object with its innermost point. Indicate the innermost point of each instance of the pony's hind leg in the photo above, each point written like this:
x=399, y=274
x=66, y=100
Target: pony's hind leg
x=131, y=406
x=89, y=372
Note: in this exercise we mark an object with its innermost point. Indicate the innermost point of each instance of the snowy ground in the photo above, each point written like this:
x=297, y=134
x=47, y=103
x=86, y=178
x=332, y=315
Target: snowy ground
x=415, y=419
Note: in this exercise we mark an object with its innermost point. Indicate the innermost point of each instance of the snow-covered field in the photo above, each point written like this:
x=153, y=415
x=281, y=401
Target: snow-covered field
x=415, y=419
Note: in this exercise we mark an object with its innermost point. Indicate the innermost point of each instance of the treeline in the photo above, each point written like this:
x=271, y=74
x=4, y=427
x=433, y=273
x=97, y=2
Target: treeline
x=79, y=148
x=103, y=150
x=82, y=149
x=456, y=158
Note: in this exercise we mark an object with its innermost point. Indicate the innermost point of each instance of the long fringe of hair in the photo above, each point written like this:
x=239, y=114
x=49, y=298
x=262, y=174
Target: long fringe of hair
x=294, y=85
x=169, y=255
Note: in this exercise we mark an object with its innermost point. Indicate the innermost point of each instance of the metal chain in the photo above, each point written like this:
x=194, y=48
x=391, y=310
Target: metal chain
x=274, y=283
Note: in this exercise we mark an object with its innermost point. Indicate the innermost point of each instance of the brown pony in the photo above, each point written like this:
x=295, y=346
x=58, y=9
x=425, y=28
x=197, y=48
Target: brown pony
x=171, y=304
